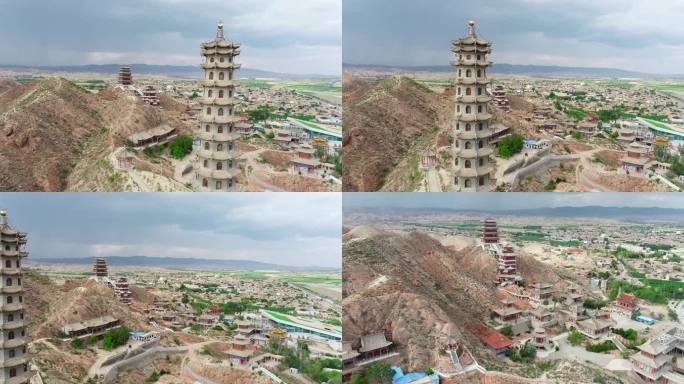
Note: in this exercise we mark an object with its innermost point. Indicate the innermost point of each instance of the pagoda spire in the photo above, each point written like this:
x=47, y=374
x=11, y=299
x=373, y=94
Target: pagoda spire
x=219, y=30
x=471, y=28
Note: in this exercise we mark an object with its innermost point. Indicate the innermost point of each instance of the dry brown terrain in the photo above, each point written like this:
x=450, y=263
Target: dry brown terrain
x=56, y=136
x=384, y=123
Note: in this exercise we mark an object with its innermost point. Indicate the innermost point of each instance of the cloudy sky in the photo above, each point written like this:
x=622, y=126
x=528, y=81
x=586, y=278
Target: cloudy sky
x=646, y=36
x=508, y=201
x=297, y=229
x=303, y=36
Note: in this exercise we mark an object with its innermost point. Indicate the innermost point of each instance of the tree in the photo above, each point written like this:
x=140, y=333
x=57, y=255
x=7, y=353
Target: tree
x=185, y=299
x=509, y=146
x=115, y=337
x=377, y=372
x=181, y=146
x=507, y=331
x=575, y=337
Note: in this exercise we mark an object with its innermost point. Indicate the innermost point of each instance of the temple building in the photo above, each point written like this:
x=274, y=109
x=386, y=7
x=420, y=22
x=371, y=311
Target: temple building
x=472, y=153
x=218, y=155
x=149, y=96
x=304, y=161
x=100, y=268
x=507, y=266
x=125, y=76
x=13, y=340
x=490, y=232
x=123, y=291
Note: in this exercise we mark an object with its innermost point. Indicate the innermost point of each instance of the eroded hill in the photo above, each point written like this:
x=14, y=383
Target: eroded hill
x=50, y=128
x=386, y=125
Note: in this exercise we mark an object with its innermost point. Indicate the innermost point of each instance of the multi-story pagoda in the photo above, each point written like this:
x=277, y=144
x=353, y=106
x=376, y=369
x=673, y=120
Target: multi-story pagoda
x=472, y=153
x=149, y=96
x=125, y=76
x=218, y=156
x=490, y=232
x=507, y=266
x=500, y=98
x=13, y=340
x=100, y=268
x=123, y=291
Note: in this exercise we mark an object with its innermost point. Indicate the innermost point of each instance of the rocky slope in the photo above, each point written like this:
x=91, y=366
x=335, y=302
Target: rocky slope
x=50, y=127
x=386, y=124
x=419, y=291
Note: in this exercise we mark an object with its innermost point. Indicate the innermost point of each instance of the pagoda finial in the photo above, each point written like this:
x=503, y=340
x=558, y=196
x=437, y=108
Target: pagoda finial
x=219, y=30
x=3, y=217
x=471, y=28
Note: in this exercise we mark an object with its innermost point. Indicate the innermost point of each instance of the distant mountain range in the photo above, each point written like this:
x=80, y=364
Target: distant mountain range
x=627, y=214
x=528, y=70
x=167, y=70
x=183, y=263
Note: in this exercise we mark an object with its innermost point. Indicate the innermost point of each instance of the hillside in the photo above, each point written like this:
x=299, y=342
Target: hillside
x=387, y=123
x=50, y=128
x=421, y=292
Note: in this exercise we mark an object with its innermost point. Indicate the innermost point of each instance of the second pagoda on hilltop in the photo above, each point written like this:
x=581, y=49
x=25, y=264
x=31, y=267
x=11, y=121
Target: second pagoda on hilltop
x=473, y=164
x=218, y=156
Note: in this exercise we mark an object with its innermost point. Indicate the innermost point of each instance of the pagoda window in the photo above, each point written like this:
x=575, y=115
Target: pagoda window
x=459, y=73
x=230, y=163
x=211, y=59
x=479, y=57
x=479, y=91
x=230, y=129
x=479, y=109
x=219, y=147
x=10, y=335
x=12, y=353
x=7, y=248
x=456, y=161
x=221, y=94
x=468, y=57
x=482, y=181
x=221, y=75
x=10, y=317
x=467, y=127
x=479, y=73
x=13, y=372
x=219, y=166
x=480, y=126
x=468, y=91
x=230, y=59
x=480, y=162
x=467, y=164
x=220, y=111
x=8, y=282
x=8, y=264
x=230, y=183
x=458, y=108
x=468, y=73
x=206, y=145
x=211, y=75
x=220, y=129
x=209, y=92
x=21, y=299
x=230, y=146
x=480, y=144
x=218, y=185
x=206, y=163
x=458, y=90
x=205, y=183
x=468, y=145
x=221, y=59
x=230, y=93
x=208, y=110
x=467, y=183
x=468, y=109
x=230, y=75
x=207, y=128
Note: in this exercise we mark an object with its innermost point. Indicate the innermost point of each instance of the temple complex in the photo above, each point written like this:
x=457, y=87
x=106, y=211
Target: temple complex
x=100, y=268
x=472, y=151
x=217, y=167
x=125, y=76
x=13, y=355
x=123, y=291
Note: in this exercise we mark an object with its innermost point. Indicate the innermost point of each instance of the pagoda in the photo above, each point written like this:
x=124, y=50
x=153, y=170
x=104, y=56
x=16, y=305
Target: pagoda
x=500, y=98
x=507, y=266
x=149, y=96
x=125, y=76
x=472, y=150
x=13, y=355
x=218, y=156
x=490, y=232
x=100, y=268
x=123, y=291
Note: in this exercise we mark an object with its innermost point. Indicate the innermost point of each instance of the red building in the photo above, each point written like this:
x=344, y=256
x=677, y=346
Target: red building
x=490, y=232
x=125, y=76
